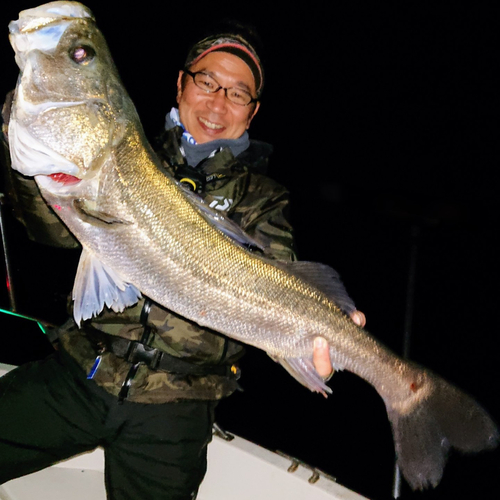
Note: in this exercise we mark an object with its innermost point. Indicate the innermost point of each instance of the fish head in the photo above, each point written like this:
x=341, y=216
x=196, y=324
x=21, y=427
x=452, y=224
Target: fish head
x=69, y=103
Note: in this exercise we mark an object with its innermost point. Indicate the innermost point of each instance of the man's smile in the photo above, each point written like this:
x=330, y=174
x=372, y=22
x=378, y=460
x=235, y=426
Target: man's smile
x=211, y=125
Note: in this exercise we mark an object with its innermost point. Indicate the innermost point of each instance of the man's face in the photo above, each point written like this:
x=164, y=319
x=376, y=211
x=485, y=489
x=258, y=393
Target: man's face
x=212, y=116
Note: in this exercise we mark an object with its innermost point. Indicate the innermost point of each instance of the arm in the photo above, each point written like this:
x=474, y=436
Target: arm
x=263, y=214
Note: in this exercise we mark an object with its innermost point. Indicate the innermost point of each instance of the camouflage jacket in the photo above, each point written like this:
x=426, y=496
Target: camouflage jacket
x=237, y=186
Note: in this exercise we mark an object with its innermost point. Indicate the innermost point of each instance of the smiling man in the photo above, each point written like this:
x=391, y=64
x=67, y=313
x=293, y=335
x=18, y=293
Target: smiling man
x=218, y=94
x=208, y=113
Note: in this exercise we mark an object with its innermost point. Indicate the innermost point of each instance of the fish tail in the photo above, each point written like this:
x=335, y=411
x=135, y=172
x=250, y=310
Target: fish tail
x=446, y=418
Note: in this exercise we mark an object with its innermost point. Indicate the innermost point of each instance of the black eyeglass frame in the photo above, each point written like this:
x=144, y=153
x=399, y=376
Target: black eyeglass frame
x=225, y=89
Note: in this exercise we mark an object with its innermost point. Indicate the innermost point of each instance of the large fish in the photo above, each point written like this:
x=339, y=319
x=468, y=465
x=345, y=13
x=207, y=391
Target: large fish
x=74, y=128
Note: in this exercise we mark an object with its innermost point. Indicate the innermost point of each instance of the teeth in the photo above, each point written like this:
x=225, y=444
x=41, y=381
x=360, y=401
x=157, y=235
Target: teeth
x=211, y=125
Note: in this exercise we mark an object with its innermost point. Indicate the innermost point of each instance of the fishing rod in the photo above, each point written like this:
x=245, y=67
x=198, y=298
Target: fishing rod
x=410, y=299
x=12, y=311
x=8, y=273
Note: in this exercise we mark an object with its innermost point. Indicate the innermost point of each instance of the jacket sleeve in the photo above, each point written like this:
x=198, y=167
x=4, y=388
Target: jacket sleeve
x=263, y=215
x=22, y=193
x=41, y=223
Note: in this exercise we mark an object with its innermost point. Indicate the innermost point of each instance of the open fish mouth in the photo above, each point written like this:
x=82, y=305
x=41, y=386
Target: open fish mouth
x=59, y=183
x=65, y=179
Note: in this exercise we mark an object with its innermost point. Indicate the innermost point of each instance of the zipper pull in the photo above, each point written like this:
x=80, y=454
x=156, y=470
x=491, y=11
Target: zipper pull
x=95, y=366
x=97, y=362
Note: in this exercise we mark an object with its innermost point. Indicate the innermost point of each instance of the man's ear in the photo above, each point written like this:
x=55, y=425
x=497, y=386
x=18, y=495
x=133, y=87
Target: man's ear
x=253, y=113
x=179, y=86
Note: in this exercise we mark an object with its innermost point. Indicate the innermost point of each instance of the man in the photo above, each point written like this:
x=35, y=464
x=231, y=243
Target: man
x=196, y=110
x=143, y=384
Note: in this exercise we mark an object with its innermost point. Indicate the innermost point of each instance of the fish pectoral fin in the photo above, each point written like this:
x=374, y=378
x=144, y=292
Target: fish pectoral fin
x=302, y=369
x=93, y=216
x=97, y=285
x=223, y=223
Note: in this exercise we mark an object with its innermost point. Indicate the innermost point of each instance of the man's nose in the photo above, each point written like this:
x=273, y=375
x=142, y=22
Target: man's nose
x=218, y=101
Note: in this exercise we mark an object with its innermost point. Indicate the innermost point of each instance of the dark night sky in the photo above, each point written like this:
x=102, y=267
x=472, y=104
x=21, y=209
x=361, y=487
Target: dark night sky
x=384, y=119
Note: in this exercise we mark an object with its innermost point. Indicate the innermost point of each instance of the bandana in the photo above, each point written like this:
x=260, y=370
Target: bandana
x=234, y=44
x=196, y=153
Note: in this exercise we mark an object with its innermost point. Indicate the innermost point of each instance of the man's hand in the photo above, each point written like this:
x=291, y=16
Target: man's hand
x=321, y=353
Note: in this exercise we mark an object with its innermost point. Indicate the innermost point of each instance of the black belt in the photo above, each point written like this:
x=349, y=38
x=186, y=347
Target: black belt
x=135, y=352
x=139, y=353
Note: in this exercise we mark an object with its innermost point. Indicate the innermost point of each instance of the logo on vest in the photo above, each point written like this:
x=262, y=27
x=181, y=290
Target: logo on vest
x=221, y=203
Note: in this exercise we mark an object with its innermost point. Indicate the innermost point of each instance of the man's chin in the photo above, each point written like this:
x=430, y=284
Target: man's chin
x=210, y=135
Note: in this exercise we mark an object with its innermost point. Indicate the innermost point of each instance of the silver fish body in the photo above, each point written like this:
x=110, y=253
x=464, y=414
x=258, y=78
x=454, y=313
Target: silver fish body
x=74, y=129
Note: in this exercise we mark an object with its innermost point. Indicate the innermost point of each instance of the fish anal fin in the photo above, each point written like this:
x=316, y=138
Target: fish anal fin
x=302, y=369
x=97, y=285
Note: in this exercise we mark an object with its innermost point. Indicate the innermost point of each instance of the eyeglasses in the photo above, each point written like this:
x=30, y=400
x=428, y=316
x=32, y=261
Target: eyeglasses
x=211, y=85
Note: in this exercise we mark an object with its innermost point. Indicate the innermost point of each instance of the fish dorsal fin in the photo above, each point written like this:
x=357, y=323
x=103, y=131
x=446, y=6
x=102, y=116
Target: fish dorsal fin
x=97, y=285
x=221, y=222
x=322, y=277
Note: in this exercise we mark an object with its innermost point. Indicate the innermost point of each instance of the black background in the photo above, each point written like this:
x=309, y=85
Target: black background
x=385, y=122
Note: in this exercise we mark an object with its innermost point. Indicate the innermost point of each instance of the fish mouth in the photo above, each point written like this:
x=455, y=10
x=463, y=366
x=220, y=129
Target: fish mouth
x=64, y=179
x=59, y=184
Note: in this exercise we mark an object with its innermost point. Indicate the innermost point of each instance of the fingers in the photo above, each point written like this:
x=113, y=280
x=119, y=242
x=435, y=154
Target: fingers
x=321, y=358
x=321, y=352
x=359, y=318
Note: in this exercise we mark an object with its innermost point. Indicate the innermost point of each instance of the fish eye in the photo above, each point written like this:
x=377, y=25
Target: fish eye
x=83, y=54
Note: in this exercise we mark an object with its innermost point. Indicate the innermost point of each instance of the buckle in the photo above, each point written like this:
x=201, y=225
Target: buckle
x=140, y=353
x=235, y=372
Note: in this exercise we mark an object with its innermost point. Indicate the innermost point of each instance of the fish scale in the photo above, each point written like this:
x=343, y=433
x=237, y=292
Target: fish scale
x=141, y=233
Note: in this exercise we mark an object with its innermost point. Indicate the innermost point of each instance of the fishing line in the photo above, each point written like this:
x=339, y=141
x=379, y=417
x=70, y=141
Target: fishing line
x=5, y=311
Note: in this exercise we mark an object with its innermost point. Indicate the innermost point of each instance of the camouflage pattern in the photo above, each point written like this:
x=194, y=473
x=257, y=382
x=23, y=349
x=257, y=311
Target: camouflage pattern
x=41, y=223
x=239, y=188
x=236, y=186
x=149, y=386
